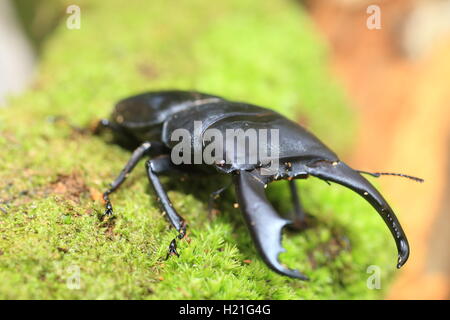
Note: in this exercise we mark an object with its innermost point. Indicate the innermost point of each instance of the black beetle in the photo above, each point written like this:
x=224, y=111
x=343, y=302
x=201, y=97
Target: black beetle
x=146, y=121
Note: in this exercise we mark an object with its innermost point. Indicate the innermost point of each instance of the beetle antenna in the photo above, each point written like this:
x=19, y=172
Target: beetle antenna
x=378, y=174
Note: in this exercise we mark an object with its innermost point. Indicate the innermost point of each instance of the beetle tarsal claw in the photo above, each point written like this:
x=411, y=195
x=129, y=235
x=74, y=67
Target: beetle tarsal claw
x=346, y=176
x=264, y=223
x=172, y=249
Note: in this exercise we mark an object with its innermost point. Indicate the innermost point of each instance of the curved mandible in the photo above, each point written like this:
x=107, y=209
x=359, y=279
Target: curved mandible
x=264, y=223
x=341, y=173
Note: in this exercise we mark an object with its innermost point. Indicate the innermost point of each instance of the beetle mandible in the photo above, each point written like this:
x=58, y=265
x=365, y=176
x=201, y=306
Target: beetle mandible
x=146, y=121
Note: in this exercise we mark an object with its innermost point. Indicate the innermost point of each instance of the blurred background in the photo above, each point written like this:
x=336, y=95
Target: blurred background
x=397, y=78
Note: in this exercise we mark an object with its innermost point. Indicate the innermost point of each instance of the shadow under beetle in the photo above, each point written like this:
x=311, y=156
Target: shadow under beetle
x=145, y=123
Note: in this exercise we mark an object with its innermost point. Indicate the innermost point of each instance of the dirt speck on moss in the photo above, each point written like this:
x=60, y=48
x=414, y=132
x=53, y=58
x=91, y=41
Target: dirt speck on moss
x=148, y=71
x=63, y=250
x=109, y=226
x=71, y=187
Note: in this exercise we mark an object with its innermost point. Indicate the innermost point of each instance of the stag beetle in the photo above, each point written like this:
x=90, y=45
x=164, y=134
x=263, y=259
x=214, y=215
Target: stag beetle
x=145, y=123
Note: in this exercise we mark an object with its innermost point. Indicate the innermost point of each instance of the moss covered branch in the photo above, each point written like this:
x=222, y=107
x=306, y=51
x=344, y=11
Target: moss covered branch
x=263, y=52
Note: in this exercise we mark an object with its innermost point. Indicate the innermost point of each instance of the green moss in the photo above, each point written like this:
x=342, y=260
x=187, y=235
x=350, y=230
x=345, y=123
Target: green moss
x=262, y=52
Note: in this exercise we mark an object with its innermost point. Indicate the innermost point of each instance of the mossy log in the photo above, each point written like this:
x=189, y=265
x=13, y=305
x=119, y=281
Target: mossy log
x=51, y=174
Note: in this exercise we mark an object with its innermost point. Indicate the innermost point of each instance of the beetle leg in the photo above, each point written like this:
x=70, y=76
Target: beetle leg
x=299, y=219
x=342, y=174
x=147, y=148
x=155, y=167
x=215, y=195
x=264, y=223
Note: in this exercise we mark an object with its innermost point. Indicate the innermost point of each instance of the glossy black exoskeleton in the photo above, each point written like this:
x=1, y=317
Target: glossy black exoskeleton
x=146, y=122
